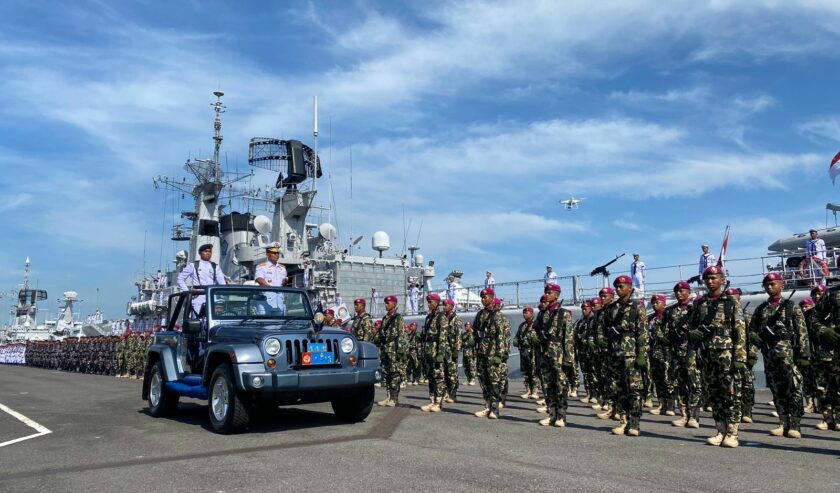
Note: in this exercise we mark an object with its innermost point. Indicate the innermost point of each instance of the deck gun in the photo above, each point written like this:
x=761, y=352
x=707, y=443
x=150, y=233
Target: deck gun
x=602, y=269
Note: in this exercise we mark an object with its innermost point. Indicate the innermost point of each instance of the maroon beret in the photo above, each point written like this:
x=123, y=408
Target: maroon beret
x=806, y=301
x=489, y=291
x=710, y=271
x=433, y=297
x=449, y=302
x=682, y=285
x=390, y=298
x=622, y=280
x=552, y=287
x=657, y=297
x=360, y=301
x=606, y=291
x=595, y=300
x=528, y=309
x=772, y=276
x=819, y=288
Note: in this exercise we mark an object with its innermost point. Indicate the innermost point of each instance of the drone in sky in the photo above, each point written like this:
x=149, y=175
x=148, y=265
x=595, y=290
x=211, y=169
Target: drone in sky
x=572, y=203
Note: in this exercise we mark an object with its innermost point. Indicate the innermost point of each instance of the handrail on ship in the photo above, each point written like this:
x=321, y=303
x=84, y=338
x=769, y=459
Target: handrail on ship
x=745, y=273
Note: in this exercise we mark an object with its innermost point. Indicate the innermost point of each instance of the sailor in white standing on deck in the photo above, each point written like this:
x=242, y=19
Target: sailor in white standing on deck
x=638, y=272
x=489, y=282
x=413, y=295
x=550, y=276
x=707, y=259
x=201, y=273
x=815, y=248
x=272, y=274
x=374, y=302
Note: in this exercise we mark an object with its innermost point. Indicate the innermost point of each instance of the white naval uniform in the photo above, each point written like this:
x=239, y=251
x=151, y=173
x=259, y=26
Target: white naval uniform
x=413, y=295
x=706, y=260
x=550, y=278
x=204, y=277
x=374, y=303
x=275, y=275
x=638, y=272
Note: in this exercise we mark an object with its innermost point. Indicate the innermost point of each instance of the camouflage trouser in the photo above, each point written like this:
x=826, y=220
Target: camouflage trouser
x=392, y=371
x=605, y=375
x=660, y=375
x=572, y=383
x=827, y=376
x=413, y=368
x=787, y=383
x=554, y=386
x=628, y=389
x=493, y=379
x=809, y=384
x=746, y=379
x=470, y=369
x=590, y=376
x=436, y=378
x=527, y=363
x=694, y=377
x=452, y=377
x=724, y=391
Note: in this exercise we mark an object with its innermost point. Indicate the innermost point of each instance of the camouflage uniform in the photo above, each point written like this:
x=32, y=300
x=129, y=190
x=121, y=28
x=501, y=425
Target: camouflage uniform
x=392, y=352
x=455, y=329
x=826, y=358
x=720, y=325
x=589, y=364
x=553, y=331
x=362, y=328
x=685, y=376
x=624, y=325
x=437, y=351
x=659, y=359
x=582, y=353
x=413, y=366
x=491, y=355
x=784, y=341
x=468, y=356
x=746, y=377
x=605, y=376
x=527, y=362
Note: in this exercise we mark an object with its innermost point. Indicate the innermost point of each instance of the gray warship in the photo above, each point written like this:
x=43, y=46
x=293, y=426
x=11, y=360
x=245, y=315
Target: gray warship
x=315, y=261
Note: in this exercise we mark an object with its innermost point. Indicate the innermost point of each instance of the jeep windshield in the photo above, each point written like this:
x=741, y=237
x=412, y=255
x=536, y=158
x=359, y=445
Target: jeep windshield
x=259, y=304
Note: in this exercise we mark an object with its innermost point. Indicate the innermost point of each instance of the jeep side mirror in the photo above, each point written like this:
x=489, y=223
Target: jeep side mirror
x=192, y=327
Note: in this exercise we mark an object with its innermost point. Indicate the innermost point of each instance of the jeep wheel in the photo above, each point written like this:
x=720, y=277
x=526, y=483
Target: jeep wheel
x=228, y=414
x=356, y=407
x=161, y=401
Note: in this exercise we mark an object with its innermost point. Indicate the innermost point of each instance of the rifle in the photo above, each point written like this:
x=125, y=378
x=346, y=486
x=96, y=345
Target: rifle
x=602, y=269
x=766, y=329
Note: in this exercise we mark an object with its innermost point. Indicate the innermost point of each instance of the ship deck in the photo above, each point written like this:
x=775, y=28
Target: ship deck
x=103, y=440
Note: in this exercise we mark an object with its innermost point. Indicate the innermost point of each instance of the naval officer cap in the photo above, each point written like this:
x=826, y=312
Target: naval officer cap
x=812, y=230
x=273, y=247
x=206, y=246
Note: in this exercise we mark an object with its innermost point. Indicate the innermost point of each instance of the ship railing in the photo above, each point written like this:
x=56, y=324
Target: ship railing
x=744, y=273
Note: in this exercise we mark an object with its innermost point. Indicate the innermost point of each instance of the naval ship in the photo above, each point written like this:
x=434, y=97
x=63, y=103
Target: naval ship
x=314, y=259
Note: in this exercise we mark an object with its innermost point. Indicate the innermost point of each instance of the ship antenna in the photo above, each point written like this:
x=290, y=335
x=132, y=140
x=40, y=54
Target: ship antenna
x=315, y=136
x=219, y=108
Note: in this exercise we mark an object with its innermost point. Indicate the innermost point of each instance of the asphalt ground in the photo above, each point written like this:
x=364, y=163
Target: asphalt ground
x=103, y=440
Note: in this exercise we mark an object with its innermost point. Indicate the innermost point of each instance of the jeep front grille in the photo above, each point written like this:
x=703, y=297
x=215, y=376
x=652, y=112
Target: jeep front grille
x=296, y=347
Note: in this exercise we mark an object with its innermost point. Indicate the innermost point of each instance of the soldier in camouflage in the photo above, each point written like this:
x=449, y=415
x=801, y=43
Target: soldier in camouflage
x=659, y=357
x=468, y=353
x=435, y=342
x=390, y=338
x=624, y=326
x=717, y=325
x=581, y=348
x=746, y=378
x=607, y=296
x=592, y=371
x=555, y=335
x=362, y=328
x=685, y=375
x=826, y=357
x=455, y=330
x=414, y=367
x=779, y=326
x=809, y=378
x=527, y=363
x=491, y=354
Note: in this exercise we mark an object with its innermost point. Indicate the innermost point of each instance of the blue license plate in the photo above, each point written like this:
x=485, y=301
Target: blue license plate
x=317, y=347
x=323, y=358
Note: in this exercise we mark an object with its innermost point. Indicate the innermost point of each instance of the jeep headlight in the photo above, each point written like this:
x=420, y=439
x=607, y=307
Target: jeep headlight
x=272, y=347
x=347, y=345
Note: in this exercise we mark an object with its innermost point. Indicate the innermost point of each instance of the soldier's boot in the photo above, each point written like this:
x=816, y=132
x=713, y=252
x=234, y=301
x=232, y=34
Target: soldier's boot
x=535, y=394
x=542, y=409
x=659, y=410
x=721, y=434
x=526, y=395
x=428, y=407
x=731, y=438
x=494, y=411
x=546, y=421
x=484, y=412
x=693, y=422
x=437, y=406
x=746, y=419
x=384, y=402
x=822, y=425
x=607, y=414
x=622, y=427
x=809, y=406
x=597, y=406
x=394, y=398
x=794, y=430
x=669, y=407
x=775, y=414
x=448, y=399
x=781, y=429
x=633, y=426
x=586, y=398
x=560, y=422
x=681, y=422
x=648, y=403
x=377, y=384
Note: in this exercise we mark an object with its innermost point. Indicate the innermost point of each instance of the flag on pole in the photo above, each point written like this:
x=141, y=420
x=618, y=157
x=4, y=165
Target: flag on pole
x=834, y=168
x=720, y=261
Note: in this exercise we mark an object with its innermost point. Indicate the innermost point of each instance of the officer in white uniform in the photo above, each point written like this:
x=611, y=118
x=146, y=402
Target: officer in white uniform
x=706, y=260
x=272, y=274
x=374, y=302
x=815, y=249
x=638, y=272
x=489, y=282
x=413, y=295
x=550, y=276
x=201, y=273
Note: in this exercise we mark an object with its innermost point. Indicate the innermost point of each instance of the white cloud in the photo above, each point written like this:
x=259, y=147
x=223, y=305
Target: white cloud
x=626, y=224
x=13, y=201
x=821, y=128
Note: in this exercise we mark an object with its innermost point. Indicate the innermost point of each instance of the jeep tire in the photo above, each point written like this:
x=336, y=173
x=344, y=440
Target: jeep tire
x=228, y=413
x=161, y=401
x=356, y=407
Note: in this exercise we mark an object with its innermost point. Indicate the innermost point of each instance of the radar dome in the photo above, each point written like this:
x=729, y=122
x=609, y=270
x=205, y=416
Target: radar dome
x=380, y=241
x=71, y=295
x=262, y=224
x=327, y=231
x=418, y=259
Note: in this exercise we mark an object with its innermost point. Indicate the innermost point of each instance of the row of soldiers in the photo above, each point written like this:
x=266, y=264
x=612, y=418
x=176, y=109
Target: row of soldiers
x=107, y=355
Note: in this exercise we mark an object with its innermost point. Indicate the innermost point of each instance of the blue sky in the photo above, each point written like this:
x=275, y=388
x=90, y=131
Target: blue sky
x=673, y=119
